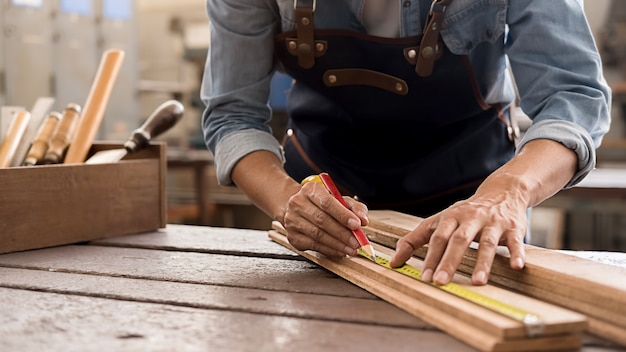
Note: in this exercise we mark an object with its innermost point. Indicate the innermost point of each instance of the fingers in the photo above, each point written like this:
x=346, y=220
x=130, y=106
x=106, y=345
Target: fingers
x=317, y=221
x=515, y=242
x=486, y=253
x=446, y=249
x=308, y=236
x=359, y=209
x=407, y=245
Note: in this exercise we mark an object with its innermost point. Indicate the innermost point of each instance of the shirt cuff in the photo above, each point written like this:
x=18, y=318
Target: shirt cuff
x=571, y=136
x=239, y=144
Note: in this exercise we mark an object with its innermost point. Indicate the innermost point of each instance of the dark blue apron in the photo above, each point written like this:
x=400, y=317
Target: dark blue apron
x=396, y=132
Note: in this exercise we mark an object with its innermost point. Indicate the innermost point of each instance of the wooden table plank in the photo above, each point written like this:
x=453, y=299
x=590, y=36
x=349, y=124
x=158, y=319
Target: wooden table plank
x=33, y=321
x=199, y=268
x=197, y=288
x=290, y=304
x=205, y=240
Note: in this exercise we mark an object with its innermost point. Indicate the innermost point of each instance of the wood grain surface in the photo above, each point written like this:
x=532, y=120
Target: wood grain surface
x=192, y=288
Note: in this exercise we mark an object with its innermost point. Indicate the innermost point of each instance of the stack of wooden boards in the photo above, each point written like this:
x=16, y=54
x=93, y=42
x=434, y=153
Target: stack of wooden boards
x=544, y=287
x=594, y=289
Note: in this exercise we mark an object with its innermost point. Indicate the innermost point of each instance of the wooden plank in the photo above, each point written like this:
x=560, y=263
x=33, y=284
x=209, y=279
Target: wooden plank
x=608, y=331
x=500, y=277
x=576, y=283
x=188, y=267
x=551, y=270
x=544, y=268
x=32, y=321
x=588, y=309
x=204, y=239
x=289, y=304
x=426, y=302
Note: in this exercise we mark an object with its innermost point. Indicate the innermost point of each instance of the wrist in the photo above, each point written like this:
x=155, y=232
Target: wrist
x=510, y=186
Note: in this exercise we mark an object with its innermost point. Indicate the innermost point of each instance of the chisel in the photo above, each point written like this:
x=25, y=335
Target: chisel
x=162, y=119
x=14, y=135
x=42, y=140
x=37, y=115
x=7, y=113
x=63, y=134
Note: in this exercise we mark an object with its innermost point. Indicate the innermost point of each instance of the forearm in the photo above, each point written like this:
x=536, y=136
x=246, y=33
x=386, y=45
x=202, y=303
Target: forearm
x=261, y=176
x=539, y=171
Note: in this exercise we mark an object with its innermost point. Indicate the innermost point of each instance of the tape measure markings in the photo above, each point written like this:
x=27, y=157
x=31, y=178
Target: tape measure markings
x=532, y=322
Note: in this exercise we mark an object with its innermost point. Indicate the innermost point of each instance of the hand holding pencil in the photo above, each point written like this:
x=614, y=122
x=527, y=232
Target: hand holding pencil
x=326, y=180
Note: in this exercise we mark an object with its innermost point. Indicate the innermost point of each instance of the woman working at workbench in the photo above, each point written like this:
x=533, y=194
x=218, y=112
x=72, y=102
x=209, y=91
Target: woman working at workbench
x=405, y=118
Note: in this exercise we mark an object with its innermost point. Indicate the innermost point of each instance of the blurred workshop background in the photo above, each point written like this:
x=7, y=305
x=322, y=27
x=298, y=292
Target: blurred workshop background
x=52, y=48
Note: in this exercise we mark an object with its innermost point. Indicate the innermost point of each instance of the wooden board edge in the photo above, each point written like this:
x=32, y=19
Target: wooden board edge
x=607, y=331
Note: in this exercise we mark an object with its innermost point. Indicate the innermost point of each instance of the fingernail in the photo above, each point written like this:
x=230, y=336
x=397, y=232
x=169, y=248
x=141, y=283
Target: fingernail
x=353, y=224
x=354, y=244
x=480, y=277
x=427, y=275
x=518, y=263
x=350, y=251
x=441, y=278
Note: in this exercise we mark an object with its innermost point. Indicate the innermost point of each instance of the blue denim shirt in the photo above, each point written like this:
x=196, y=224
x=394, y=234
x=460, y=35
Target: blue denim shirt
x=548, y=44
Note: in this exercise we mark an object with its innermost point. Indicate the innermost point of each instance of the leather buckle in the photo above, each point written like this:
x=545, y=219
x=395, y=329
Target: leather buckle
x=428, y=47
x=305, y=45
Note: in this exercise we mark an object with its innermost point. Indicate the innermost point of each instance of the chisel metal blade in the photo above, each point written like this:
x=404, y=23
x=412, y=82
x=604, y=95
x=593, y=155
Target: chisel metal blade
x=162, y=119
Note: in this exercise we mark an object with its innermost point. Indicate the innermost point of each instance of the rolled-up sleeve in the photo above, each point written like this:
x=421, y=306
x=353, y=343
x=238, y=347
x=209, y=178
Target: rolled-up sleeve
x=558, y=71
x=236, y=82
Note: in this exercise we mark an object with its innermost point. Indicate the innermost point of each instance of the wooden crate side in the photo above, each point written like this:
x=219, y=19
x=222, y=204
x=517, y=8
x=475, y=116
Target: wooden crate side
x=50, y=205
x=156, y=150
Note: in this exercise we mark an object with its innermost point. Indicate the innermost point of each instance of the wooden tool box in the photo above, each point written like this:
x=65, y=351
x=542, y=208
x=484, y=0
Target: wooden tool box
x=50, y=205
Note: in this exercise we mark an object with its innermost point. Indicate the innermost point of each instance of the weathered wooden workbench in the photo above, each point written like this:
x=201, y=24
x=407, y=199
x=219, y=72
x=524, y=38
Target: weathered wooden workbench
x=191, y=288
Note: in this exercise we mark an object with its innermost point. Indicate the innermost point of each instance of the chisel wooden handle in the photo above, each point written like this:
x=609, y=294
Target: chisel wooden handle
x=42, y=140
x=62, y=135
x=162, y=119
x=13, y=137
x=94, y=107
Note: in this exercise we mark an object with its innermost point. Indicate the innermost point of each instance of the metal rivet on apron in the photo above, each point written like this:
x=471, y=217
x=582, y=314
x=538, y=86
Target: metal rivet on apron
x=428, y=52
x=412, y=54
x=304, y=48
x=293, y=45
x=290, y=132
x=332, y=79
x=399, y=87
x=305, y=21
x=406, y=4
x=319, y=47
